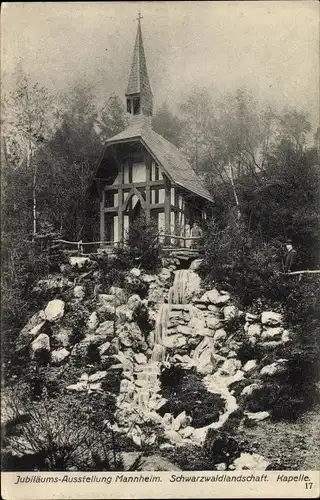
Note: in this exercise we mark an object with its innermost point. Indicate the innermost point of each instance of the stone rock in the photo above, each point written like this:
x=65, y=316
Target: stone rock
x=79, y=262
x=175, y=341
x=167, y=420
x=195, y=264
x=128, y=333
x=96, y=376
x=231, y=354
x=108, y=300
x=202, y=356
x=272, y=333
x=219, y=336
x=258, y=416
x=103, y=348
x=230, y=312
x=248, y=461
x=251, y=318
x=215, y=297
x=133, y=302
x=222, y=466
x=193, y=286
x=93, y=321
x=148, y=278
x=52, y=283
x=285, y=336
x=59, y=356
x=173, y=436
x=184, y=330
x=249, y=365
x=156, y=294
x=135, y=272
x=41, y=343
x=180, y=421
x=165, y=274
x=253, y=329
x=130, y=459
x=186, y=432
x=62, y=336
x=119, y=293
x=79, y=292
x=140, y=358
x=106, y=330
x=249, y=389
x=54, y=310
x=274, y=368
x=230, y=367
x=213, y=322
x=114, y=346
x=124, y=314
x=270, y=318
x=214, y=309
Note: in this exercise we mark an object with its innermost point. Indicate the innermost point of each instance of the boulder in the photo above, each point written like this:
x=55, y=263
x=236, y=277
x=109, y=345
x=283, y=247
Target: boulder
x=221, y=466
x=230, y=367
x=272, y=333
x=249, y=365
x=253, y=329
x=93, y=321
x=106, y=330
x=128, y=333
x=59, y=356
x=165, y=274
x=54, y=310
x=220, y=336
x=186, y=432
x=79, y=262
x=108, y=300
x=230, y=312
x=175, y=341
x=119, y=293
x=257, y=416
x=213, y=322
x=100, y=375
x=202, y=356
x=135, y=272
x=140, y=358
x=182, y=420
x=114, y=346
x=62, y=336
x=133, y=302
x=251, y=318
x=195, y=264
x=215, y=297
x=248, y=461
x=270, y=318
x=184, y=330
x=79, y=292
x=103, y=348
x=173, y=436
x=130, y=459
x=148, y=278
x=214, y=309
x=274, y=368
x=40, y=344
x=124, y=314
x=250, y=389
x=193, y=286
x=156, y=293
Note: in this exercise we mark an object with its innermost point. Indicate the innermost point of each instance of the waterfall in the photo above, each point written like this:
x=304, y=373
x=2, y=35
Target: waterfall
x=177, y=292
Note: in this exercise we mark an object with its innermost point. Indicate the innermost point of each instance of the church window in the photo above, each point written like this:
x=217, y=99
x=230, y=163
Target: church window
x=136, y=105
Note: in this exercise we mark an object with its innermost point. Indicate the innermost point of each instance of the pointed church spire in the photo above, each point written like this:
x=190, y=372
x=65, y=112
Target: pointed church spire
x=139, y=94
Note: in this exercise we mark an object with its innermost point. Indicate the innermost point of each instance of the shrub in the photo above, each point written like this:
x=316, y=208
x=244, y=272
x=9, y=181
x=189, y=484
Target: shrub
x=142, y=247
x=185, y=391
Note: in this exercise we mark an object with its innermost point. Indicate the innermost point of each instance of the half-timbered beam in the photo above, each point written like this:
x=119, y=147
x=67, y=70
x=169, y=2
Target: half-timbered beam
x=167, y=206
x=148, y=192
x=114, y=187
x=102, y=212
x=120, y=203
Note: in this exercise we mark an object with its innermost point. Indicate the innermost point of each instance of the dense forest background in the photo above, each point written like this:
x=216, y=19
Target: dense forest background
x=258, y=164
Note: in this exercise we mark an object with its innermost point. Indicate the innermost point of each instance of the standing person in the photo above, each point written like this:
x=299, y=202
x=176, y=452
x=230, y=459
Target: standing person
x=290, y=258
x=196, y=232
x=187, y=234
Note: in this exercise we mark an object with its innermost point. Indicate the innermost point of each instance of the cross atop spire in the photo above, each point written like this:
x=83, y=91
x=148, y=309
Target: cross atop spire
x=139, y=94
x=139, y=17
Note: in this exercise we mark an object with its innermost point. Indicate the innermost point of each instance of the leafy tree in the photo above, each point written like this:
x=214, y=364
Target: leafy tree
x=112, y=119
x=168, y=125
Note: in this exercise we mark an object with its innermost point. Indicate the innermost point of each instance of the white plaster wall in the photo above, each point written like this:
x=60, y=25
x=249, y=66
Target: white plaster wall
x=138, y=172
x=161, y=195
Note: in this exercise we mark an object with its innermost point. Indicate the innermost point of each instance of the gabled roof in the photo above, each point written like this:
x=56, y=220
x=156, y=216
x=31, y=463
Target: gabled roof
x=168, y=156
x=139, y=79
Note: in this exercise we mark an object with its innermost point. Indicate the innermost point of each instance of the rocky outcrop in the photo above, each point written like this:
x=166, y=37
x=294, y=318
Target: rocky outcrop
x=54, y=310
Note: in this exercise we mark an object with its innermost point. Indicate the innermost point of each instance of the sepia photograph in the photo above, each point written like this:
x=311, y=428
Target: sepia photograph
x=160, y=257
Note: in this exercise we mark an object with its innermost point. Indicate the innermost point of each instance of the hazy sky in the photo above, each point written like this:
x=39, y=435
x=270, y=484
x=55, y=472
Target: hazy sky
x=270, y=47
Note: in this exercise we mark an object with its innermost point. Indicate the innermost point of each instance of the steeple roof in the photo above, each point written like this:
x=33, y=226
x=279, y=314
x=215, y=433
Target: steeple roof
x=139, y=79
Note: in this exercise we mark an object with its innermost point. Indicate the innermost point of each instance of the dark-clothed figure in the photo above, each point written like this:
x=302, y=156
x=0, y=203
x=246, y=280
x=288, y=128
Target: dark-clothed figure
x=290, y=258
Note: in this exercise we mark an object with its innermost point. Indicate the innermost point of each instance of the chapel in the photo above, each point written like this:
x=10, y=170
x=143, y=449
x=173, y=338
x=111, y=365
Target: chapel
x=142, y=173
